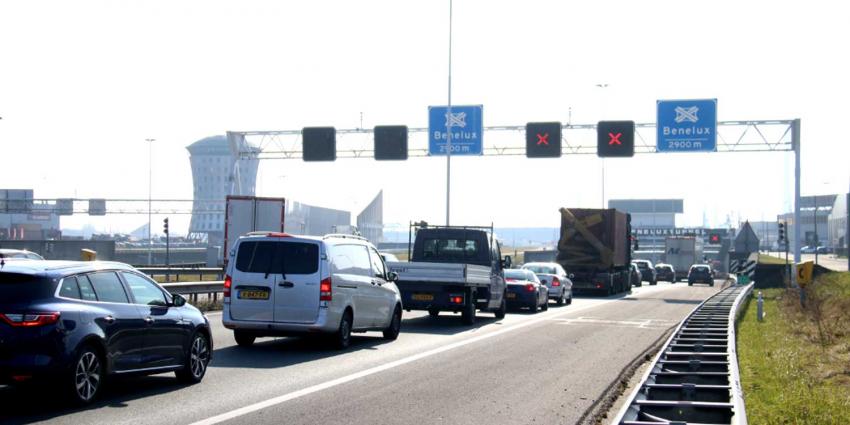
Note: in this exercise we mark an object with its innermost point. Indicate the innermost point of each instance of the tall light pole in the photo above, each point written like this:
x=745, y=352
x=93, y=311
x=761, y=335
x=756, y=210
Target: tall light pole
x=602, y=86
x=449, y=128
x=150, y=190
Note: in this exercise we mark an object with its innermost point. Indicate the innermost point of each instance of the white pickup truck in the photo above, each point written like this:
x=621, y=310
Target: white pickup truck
x=457, y=269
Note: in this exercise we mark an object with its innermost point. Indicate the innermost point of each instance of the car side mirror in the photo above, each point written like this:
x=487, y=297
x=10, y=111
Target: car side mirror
x=392, y=277
x=506, y=263
x=177, y=300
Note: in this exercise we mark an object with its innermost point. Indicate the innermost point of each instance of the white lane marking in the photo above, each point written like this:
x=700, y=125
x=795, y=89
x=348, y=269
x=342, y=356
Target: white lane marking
x=362, y=374
x=639, y=323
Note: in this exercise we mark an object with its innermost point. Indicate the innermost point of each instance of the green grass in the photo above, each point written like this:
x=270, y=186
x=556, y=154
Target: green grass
x=769, y=259
x=792, y=370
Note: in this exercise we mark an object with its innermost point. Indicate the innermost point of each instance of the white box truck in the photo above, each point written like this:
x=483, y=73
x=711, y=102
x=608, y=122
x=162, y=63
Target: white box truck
x=245, y=214
x=682, y=252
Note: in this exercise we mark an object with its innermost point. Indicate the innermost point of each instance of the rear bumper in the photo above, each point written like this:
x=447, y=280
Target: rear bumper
x=326, y=322
x=520, y=298
x=31, y=358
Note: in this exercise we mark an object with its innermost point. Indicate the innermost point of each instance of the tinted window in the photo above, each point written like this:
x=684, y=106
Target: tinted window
x=277, y=257
x=642, y=265
x=351, y=259
x=515, y=274
x=450, y=249
x=18, y=288
x=86, y=290
x=69, y=288
x=108, y=288
x=377, y=264
x=144, y=291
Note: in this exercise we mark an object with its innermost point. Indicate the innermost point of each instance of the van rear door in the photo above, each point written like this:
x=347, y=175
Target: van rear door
x=253, y=280
x=298, y=270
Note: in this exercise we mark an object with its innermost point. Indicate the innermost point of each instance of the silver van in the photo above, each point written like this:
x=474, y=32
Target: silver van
x=278, y=284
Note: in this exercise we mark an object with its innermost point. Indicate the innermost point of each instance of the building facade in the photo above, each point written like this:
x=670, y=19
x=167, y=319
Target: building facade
x=370, y=222
x=217, y=171
x=24, y=218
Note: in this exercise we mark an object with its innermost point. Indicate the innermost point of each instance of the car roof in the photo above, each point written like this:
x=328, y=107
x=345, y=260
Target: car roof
x=332, y=239
x=59, y=268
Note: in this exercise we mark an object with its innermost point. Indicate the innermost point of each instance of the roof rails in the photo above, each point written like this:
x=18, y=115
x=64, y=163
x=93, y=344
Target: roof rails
x=345, y=236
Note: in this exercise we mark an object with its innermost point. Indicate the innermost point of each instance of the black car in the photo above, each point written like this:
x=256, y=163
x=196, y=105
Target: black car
x=78, y=322
x=665, y=272
x=647, y=271
x=700, y=273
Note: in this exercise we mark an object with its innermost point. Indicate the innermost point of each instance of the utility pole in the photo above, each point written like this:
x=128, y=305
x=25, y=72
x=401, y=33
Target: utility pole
x=150, y=190
x=816, y=238
x=449, y=129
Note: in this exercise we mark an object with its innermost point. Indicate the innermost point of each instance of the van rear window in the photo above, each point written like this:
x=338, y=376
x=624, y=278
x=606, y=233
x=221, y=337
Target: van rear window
x=16, y=288
x=277, y=257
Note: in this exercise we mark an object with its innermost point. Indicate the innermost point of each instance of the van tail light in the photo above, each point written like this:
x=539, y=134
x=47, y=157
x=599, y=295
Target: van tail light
x=529, y=287
x=556, y=282
x=325, y=293
x=29, y=320
x=228, y=283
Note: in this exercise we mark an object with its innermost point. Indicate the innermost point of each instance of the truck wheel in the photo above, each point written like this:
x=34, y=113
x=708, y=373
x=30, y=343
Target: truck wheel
x=503, y=308
x=468, y=315
x=433, y=312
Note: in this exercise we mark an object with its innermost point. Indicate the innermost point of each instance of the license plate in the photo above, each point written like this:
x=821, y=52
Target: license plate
x=511, y=295
x=254, y=295
x=422, y=297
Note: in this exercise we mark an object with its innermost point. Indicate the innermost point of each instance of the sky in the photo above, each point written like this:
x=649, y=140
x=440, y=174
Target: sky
x=84, y=83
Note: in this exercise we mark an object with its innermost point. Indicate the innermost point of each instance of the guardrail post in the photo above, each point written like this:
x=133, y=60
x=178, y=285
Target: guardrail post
x=760, y=309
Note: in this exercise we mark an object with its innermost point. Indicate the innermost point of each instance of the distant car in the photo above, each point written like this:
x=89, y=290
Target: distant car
x=823, y=250
x=19, y=254
x=647, y=271
x=807, y=250
x=525, y=290
x=700, y=273
x=75, y=324
x=388, y=257
x=281, y=285
x=665, y=272
x=555, y=278
x=634, y=276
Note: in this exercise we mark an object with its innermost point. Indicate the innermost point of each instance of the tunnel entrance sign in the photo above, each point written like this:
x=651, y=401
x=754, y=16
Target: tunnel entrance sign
x=687, y=125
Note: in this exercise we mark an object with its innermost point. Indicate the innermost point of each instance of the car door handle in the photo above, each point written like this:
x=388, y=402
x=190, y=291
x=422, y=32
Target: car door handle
x=286, y=284
x=148, y=320
x=109, y=319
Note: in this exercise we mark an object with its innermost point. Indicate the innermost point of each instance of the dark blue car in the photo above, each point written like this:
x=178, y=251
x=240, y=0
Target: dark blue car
x=78, y=322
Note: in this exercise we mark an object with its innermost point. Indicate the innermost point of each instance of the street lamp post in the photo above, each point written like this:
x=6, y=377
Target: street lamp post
x=449, y=128
x=150, y=190
x=604, y=104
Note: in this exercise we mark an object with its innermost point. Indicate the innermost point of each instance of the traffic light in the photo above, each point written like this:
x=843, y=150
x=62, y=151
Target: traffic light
x=543, y=140
x=165, y=226
x=714, y=238
x=318, y=143
x=781, y=232
x=615, y=139
x=390, y=142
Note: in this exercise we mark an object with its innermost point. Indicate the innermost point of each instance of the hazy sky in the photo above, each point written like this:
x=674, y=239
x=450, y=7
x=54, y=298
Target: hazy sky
x=84, y=83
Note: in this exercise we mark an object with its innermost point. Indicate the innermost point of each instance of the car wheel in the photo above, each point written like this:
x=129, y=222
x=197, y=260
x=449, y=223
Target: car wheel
x=197, y=359
x=243, y=339
x=534, y=307
x=503, y=309
x=654, y=282
x=468, y=315
x=433, y=313
x=570, y=299
x=342, y=337
x=690, y=283
x=545, y=306
x=561, y=299
x=86, y=377
x=391, y=332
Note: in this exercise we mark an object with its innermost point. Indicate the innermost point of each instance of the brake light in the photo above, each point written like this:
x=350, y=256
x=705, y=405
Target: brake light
x=228, y=282
x=29, y=320
x=556, y=282
x=325, y=293
x=598, y=285
x=278, y=235
x=529, y=287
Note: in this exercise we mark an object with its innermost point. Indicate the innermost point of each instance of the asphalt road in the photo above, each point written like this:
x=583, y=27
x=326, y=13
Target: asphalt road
x=544, y=368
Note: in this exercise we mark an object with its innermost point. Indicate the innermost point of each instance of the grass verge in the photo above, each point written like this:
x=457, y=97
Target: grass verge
x=795, y=365
x=769, y=259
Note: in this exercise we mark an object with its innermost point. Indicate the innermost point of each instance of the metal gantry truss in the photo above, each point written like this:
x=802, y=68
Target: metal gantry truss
x=509, y=140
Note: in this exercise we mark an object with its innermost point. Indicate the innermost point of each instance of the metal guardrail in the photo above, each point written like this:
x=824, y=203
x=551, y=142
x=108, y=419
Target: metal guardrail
x=176, y=272
x=694, y=379
x=193, y=289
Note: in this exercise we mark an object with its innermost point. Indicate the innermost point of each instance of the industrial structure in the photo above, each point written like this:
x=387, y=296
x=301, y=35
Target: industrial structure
x=370, y=222
x=24, y=218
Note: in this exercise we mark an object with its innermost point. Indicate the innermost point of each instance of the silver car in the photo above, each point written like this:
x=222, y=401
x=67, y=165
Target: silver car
x=279, y=285
x=555, y=278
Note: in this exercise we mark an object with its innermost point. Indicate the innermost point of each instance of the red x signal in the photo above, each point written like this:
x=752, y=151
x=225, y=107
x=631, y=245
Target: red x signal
x=543, y=139
x=615, y=138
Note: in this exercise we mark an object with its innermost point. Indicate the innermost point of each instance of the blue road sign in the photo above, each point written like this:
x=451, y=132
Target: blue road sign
x=467, y=127
x=687, y=125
